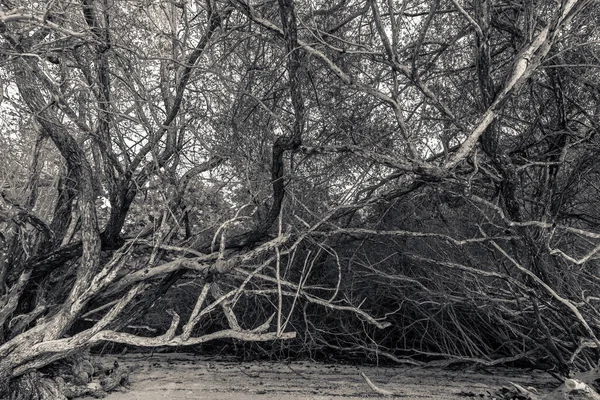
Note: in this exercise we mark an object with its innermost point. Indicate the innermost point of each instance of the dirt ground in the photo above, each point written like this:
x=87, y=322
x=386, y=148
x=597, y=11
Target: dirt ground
x=180, y=376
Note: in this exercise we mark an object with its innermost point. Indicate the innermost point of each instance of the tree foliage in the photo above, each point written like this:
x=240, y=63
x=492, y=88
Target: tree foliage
x=402, y=179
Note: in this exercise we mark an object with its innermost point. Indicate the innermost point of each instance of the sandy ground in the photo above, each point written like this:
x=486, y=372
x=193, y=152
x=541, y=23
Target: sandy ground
x=180, y=376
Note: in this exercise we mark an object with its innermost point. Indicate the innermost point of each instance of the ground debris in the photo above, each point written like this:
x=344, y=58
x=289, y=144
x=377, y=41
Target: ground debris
x=464, y=393
x=514, y=393
x=75, y=376
x=571, y=389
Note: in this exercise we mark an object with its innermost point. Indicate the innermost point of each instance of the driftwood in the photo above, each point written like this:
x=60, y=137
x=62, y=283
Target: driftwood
x=373, y=387
x=582, y=387
x=581, y=383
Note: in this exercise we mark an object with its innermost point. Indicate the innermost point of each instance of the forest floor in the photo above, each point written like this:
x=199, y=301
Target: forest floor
x=184, y=376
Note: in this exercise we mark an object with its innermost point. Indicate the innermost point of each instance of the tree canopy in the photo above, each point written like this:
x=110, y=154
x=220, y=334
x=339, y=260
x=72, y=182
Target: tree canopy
x=411, y=180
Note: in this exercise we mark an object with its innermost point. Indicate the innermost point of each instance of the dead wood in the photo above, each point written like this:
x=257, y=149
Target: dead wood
x=118, y=378
x=582, y=385
x=376, y=389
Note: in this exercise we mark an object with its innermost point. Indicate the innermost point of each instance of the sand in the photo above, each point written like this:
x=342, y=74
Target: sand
x=186, y=376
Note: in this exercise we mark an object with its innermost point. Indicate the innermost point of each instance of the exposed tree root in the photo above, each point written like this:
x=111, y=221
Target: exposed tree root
x=76, y=377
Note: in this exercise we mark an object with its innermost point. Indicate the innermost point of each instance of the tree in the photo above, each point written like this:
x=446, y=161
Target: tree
x=256, y=150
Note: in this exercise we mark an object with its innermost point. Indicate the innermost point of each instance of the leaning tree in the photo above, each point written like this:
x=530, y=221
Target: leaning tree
x=130, y=185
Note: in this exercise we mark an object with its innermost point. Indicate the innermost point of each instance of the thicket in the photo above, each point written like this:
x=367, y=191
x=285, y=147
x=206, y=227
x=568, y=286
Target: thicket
x=398, y=181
